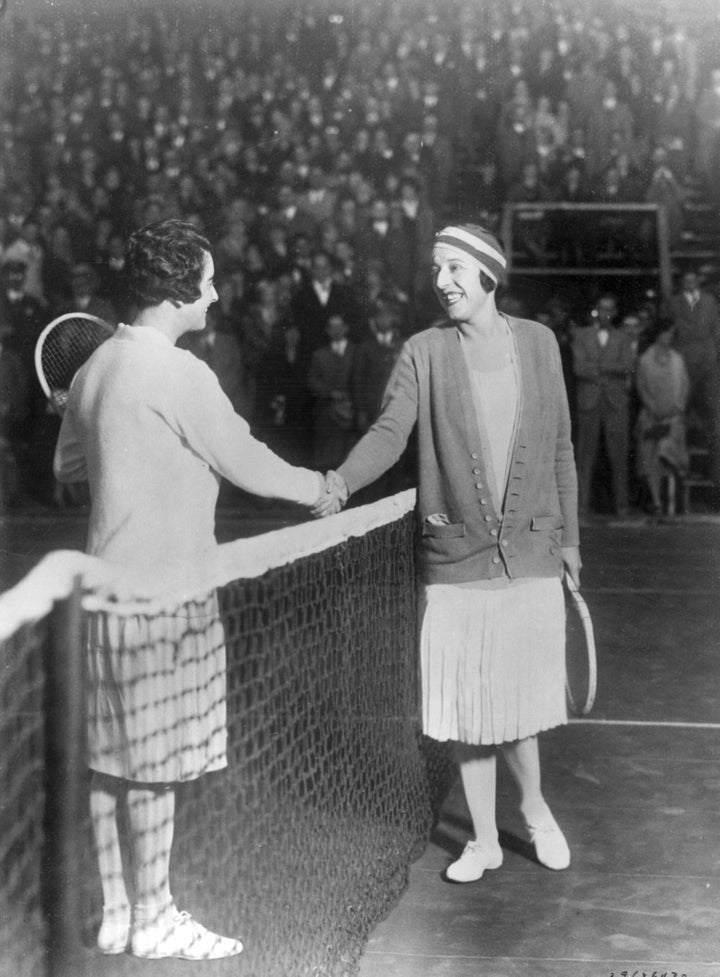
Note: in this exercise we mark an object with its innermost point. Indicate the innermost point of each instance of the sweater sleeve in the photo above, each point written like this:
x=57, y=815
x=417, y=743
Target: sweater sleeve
x=69, y=464
x=383, y=444
x=565, y=471
x=207, y=421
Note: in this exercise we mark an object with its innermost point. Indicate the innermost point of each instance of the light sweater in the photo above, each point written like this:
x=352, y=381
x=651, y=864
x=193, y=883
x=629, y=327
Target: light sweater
x=148, y=425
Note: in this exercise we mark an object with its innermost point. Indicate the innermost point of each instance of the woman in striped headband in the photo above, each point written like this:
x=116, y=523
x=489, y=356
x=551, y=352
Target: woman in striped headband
x=498, y=527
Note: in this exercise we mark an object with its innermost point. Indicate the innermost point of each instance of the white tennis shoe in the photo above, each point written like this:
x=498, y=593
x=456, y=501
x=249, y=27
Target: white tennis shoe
x=474, y=861
x=181, y=937
x=551, y=847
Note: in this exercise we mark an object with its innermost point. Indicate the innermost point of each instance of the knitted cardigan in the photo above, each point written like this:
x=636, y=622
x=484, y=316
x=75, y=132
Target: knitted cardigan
x=472, y=536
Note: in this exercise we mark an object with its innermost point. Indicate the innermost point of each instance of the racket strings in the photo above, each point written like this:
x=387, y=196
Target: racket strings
x=67, y=348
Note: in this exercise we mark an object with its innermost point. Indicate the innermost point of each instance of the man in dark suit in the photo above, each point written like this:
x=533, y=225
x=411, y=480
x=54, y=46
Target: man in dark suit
x=331, y=367
x=386, y=239
x=318, y=298
x=289, y=214
x=22, y=318
x=373, y=364
x=603, y=361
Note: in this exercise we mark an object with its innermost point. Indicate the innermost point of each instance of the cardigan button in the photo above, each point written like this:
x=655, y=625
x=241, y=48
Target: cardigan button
x=488, y=518
x=474, y=455
x=482, y=501
x=493, y=532
x=476, y=471
x=503, y=542
x=496, y=559
x=478, y=485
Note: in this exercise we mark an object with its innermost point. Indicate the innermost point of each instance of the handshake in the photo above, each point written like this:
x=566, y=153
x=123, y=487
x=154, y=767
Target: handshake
x=333, y=497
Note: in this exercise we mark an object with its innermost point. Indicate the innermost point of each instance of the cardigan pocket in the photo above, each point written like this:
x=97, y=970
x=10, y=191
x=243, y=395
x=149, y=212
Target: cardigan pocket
x=539, y=524
x=442, y=530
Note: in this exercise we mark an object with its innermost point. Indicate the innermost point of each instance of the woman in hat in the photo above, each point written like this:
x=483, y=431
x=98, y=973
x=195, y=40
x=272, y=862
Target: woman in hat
x=498, y=528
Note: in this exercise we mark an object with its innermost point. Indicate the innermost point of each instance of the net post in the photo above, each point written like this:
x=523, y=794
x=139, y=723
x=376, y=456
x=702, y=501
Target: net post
x=64, y=783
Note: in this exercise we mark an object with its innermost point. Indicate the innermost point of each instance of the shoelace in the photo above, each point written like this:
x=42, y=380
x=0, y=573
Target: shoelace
x=542, y=829
x=477, y=847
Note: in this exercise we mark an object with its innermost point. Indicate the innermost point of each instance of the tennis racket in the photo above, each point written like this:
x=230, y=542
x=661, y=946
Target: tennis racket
x=62, y=348
x=580, y=659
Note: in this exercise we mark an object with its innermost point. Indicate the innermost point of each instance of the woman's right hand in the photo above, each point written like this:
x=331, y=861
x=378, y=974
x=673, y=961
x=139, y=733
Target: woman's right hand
x=573, y=562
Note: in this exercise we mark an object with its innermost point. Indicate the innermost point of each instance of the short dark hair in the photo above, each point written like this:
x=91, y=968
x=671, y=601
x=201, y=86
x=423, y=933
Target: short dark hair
x=489, y=284
x=165, y=261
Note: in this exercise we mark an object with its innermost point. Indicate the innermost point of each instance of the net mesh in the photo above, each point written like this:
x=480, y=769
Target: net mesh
x=22, y=803
x=304, y=840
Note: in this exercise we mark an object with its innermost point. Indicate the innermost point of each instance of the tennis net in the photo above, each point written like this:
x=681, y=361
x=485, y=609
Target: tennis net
x=304, y=840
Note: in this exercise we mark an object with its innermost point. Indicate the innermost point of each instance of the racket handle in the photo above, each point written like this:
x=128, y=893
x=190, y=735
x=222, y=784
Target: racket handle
x=58, y=401
x=571, y=585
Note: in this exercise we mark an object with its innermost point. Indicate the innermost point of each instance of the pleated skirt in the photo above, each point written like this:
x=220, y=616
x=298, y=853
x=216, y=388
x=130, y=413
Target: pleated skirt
x=492, y=661
x=156, y=701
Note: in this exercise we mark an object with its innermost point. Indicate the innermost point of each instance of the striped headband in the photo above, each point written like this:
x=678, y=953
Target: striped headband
x=479, y=244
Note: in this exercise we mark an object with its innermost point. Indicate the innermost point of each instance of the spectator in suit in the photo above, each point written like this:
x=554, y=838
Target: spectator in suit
x=318, y=298
x=516, y=141
x=57, y=268
x=265, y=315
x=385, y=239
x=418, y=222
x=437, y=157
x=603, y=362
x=113, y=276
x=290, y=214
x=583, y=90
x=13, y=400
x=34, y=428
x=545, y=76
x=22, y=316
x=282, y=416
x=374, y=361
x=673, y=128
x=331, y=366
x=319, y=199
x=610, y=122
x=696, y=322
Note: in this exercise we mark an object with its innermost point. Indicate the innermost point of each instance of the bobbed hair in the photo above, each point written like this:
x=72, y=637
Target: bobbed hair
x=487, y=283
x=165, y=261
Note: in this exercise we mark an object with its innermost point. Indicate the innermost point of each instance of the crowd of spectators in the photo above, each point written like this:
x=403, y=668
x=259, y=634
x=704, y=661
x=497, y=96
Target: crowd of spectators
x=319, y=146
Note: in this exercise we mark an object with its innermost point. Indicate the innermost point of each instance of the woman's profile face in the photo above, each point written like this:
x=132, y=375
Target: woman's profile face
x=195, y=312
x=456, y=282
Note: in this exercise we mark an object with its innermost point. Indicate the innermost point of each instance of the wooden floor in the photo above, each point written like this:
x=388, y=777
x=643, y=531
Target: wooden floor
x=636, y=788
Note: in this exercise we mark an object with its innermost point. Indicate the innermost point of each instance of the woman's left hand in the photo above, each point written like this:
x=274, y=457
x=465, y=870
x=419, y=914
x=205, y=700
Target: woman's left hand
x=573, y=563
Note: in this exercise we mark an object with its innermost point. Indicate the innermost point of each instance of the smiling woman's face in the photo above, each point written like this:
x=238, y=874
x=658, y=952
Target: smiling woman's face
x=456, y=281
